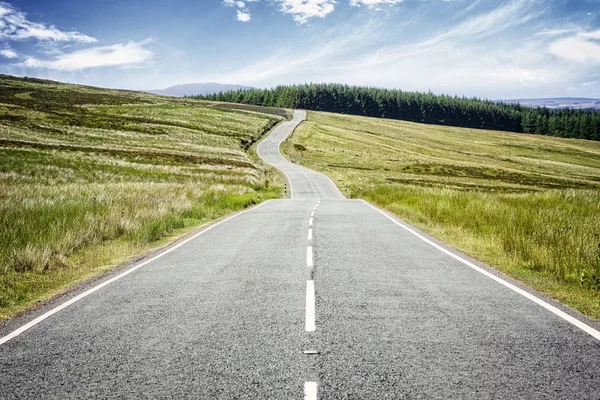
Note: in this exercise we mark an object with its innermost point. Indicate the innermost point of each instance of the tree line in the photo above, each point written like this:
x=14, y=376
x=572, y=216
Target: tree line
x=422, y=107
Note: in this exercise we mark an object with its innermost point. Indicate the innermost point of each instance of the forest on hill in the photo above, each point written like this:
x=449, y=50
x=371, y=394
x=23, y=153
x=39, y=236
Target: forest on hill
x=423, y=107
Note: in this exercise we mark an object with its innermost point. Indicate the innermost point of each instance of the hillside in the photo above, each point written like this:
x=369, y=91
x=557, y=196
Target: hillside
x=193, y=89
x=425, y=108
x=90, y=177
x=525, y=204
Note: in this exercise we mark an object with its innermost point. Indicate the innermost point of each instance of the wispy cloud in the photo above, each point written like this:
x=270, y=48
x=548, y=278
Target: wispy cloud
x=117, y=55
x=516, y=12
x=14, y=25
x=373, y=3
x=461, y=55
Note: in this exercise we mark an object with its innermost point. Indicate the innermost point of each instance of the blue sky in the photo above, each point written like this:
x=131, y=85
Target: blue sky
x=485, y=48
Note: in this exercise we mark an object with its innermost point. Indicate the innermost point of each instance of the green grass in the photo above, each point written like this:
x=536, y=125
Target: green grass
x=527, y=205
x=91, y=178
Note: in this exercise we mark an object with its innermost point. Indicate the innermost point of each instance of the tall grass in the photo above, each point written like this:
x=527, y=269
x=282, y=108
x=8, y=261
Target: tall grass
x=555, y=232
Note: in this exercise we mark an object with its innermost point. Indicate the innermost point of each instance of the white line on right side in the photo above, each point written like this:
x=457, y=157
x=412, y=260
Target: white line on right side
x=310, y=390
x=309, y=324
x=574, y=321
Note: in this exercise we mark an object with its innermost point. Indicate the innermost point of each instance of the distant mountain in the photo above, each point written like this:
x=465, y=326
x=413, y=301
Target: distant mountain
x=191, y=89
x=559, y=102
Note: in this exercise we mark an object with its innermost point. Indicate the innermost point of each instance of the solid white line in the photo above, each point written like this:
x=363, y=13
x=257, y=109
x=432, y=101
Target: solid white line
x=309, y=234
x=66, y=304
x=310, y=307
x=309, y=256
x=310, y=390
x=310, y=221
x=579, y=324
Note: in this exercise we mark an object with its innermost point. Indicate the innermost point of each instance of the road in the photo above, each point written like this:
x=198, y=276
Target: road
x=314, y=296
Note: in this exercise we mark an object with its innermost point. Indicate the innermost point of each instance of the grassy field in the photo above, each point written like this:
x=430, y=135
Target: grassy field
x=90, y=178
x=527, y=205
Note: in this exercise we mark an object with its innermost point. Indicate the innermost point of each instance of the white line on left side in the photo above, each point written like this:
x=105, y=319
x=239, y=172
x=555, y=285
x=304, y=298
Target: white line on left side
x=75, y=299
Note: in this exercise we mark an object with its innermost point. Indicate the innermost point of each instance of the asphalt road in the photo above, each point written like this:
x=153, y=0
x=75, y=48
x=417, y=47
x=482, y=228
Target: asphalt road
x=314, y=296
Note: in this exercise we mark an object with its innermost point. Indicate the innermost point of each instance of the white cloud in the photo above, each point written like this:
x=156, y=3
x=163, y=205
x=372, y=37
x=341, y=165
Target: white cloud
x=303, y=10
x=123, y=55
x=591, y=35
x=8, y=53
x=15, y=26
x=243, y=16
x=577, y=49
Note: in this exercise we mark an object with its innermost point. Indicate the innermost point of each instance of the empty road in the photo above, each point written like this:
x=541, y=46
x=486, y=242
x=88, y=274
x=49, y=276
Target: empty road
x=313, y=296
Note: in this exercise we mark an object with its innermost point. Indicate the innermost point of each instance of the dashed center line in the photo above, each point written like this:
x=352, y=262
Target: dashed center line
x=310, y=390
x=310, y=221
x=309, y=257
x=309, y=233
x=309, y=325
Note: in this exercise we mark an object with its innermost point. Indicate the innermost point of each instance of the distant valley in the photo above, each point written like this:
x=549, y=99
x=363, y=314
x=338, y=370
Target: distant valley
x=559, y=102
x=191, y=89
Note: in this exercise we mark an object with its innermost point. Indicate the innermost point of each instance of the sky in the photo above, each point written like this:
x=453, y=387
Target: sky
x=485, y=48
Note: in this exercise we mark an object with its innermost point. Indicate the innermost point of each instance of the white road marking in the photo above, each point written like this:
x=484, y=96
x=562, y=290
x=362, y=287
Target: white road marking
x=310, y=307
x=312, y=214
x=75, y=299
x=310, y=390
x=574, y=321
x=310, y=221
x=309, y=234
x=309, y=256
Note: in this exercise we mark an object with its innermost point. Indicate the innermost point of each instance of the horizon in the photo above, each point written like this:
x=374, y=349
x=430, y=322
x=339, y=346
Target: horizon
x=519, y=49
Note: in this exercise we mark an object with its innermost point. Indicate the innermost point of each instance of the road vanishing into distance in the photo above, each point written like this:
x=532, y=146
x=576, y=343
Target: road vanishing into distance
x=313, y=296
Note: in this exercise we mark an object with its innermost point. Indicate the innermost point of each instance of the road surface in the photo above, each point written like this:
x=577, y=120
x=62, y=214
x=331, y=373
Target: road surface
x=314, y=296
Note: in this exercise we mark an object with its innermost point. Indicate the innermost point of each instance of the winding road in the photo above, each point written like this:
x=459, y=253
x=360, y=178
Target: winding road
x=312, y=296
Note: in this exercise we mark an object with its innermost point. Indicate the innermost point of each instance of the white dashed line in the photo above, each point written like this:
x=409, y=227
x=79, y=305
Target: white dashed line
x=310, y=221
x=312, y=214
x=310, y=307
x=309, y=256
x=310, y=390
x=309, y=234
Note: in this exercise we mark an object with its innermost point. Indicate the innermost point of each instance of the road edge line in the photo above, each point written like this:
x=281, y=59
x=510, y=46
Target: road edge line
x=568, y=318
x=80, y=296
